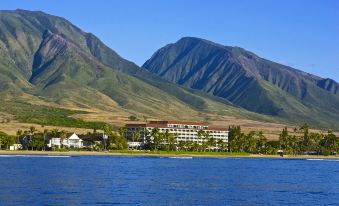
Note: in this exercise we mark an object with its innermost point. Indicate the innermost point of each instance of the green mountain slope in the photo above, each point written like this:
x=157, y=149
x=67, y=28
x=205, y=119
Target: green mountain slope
x=247, y=80
x=45, y=60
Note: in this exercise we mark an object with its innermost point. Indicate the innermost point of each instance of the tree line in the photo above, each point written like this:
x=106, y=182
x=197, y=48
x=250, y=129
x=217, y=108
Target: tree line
x=32, y=139
x=298, y=142
x=305, y=142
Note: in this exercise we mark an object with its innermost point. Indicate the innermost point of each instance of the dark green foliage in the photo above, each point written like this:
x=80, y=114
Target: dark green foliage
x=308, y=142
x=255, y=142
x=133, y=118
x=6, y=140
x=116, y=139
x=37, y=142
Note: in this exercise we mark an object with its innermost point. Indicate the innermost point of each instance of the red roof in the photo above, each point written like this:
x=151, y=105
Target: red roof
x=165, y=126
x=178, y=122
x=147, y=125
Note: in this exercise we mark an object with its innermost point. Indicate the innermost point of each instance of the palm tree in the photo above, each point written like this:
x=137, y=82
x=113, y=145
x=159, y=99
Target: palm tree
x=211, y=143
x=62, y=136
x=45, y=138
x=207, y=140
x=32, y=130
x=122, y=131
x=189, y=145
x=157, y=138
x=170, y=139
x=181, y=146
x=221, y=145
x=195, y=146
x=135, y=134
x=204, y=145
x=18, y=134
x=54, y=133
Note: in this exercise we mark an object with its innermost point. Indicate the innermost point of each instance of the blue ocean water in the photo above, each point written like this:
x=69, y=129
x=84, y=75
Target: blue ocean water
x=111, y=180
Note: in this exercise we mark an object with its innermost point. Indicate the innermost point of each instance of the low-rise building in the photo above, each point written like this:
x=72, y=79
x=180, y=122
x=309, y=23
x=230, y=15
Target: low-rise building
x=183, y=131
x=72, y=141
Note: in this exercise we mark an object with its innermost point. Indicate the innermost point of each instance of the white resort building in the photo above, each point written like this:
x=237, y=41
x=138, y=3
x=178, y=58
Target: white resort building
x=184, y=131
x=71, y=142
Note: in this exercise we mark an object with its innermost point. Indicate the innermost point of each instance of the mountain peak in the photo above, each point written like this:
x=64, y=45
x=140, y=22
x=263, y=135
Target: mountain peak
x=198, y=40
x=243, y=78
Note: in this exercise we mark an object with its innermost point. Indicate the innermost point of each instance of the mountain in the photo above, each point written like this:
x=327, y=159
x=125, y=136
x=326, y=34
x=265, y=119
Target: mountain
x=247, y=80
x=46, y=62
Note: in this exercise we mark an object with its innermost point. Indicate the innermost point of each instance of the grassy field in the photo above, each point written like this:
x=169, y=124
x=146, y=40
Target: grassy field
x=12, y=127
x=83, y=122
x=44, y=115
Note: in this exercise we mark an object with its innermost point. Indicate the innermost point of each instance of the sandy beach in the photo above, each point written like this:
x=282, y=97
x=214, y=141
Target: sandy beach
x=129, y=153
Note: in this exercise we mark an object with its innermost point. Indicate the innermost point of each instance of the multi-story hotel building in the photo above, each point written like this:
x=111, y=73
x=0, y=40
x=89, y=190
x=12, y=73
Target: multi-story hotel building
x=184, y=131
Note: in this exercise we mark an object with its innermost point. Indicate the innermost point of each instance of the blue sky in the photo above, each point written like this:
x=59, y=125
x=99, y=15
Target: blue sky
x=301, y=33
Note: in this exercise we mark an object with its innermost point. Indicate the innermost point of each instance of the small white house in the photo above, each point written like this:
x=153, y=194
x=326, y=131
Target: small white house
x=15, y=147
x=71, y=142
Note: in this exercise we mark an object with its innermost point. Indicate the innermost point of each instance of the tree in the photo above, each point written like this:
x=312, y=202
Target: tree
x=195, y=146
x=45, y=135
x=330, y=143
x=182, y=146
x=37, y=142
x=6, y=140
x=122, y=131
x=261, y=145
x=133, y=118
x=116, y=139
x=315, y=140
x=157, y=138
x=19, y=133
x=32, y=130
x=62, y=136
x=283, y=139
x=211, y=143
x=170, y=139
x=55, y=133
x=290, y=143
x=135, y=135
x=306, y=143
x=234, y=138
x=221, y=145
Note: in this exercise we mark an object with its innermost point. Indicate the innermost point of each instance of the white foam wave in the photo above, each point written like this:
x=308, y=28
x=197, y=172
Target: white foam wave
x=180, y=157
x=315, y=159
x=52, y=156
x=328, y=160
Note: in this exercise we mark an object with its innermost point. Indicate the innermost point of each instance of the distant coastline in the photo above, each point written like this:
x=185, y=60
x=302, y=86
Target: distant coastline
x=161, y=154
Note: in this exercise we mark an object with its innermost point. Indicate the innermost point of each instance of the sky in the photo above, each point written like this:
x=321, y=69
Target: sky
x=303, y=34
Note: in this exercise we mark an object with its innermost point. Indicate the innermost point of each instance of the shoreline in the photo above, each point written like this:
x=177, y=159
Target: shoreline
x=145, y=154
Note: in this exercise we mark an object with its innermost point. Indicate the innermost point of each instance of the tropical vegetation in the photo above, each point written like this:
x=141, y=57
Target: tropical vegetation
x=297, y=142
x=301, y=142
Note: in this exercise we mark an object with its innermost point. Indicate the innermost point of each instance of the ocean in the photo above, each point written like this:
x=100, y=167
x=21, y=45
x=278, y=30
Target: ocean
x=122, y=180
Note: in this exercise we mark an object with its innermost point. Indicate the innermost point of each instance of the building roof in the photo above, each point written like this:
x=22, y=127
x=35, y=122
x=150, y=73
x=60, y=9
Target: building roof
x=74, y=136
x=164, y=123
x=178, y=122
x=164, y=126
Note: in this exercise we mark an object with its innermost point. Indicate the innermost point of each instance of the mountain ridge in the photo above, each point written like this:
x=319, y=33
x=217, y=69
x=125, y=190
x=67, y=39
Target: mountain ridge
x=46, y=60
x=245, y=79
